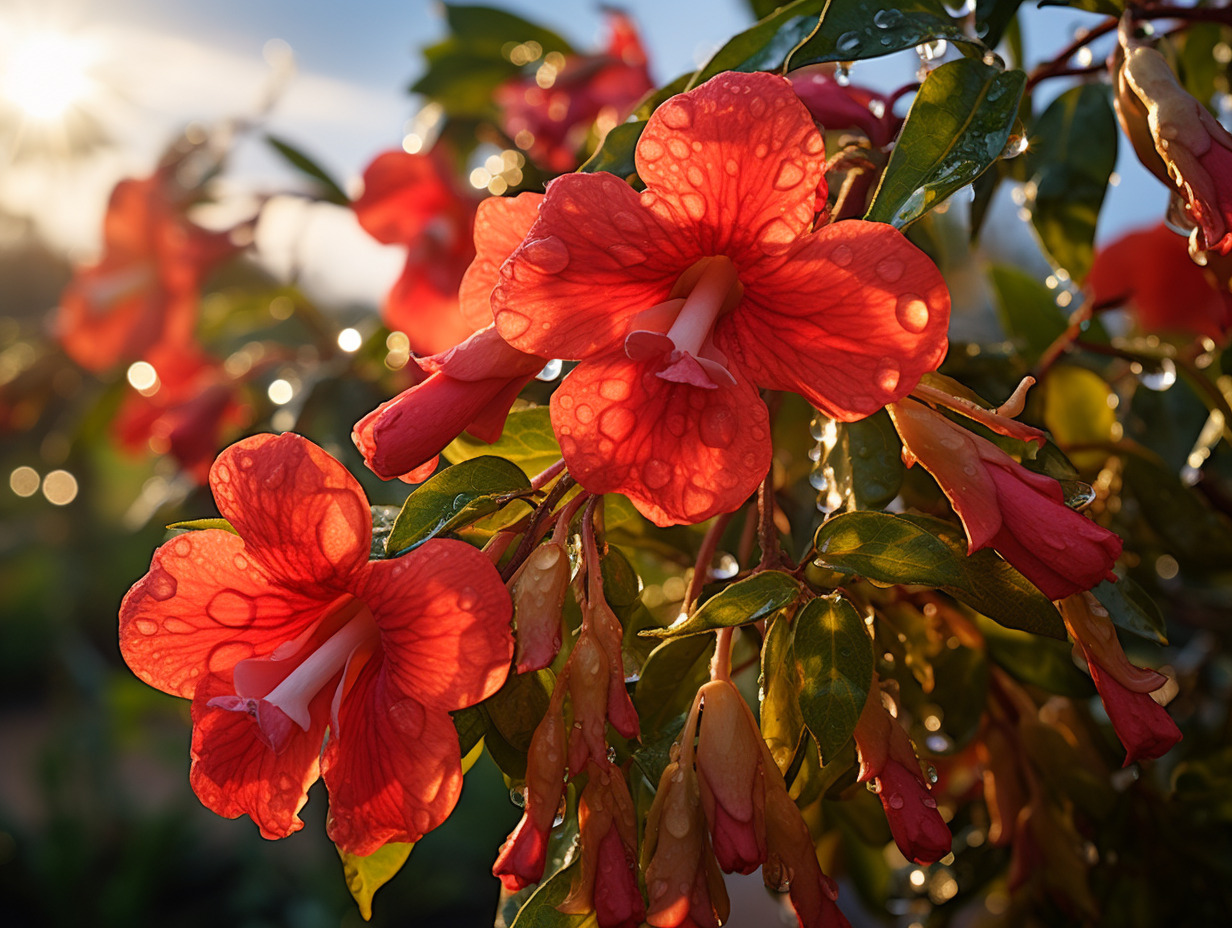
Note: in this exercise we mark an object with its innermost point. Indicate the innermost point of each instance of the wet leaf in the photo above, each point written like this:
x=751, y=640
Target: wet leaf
x=865, y=464
x=957, y=126
x=671, y=676
x=781, y=721
x=454, y=497
x=833, y=659
x=1028, y=311
x=365, y=875
x=745, y=601
x=893, y=549
x=848, y=33
x=527, y=440
x=767, y=45
x=514, y=712
x=1073, y=152
x=616, y=154
x=1130, y=607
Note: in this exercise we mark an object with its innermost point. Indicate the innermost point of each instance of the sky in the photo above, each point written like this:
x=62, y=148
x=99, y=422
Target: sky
x=160, y=64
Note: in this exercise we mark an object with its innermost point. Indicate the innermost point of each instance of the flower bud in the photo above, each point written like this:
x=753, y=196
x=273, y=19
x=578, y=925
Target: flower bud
x=538, y=598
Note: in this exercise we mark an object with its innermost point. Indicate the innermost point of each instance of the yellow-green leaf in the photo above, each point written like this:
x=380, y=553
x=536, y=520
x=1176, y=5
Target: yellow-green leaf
x=365, y=875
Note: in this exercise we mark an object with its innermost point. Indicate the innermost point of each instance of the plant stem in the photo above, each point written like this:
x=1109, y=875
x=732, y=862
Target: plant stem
x=705, y=555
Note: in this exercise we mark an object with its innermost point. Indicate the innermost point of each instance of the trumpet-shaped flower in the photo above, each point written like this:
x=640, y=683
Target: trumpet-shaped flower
x=683, y=300
x=284, y=630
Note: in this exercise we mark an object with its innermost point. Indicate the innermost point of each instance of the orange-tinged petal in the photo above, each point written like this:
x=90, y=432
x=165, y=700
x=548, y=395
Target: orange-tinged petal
x=302, y=515
x=681, y=453
x=423, y=302
x=204, y=606
x=734, y=164
x=402, y=194
x=500, y=225
x=234, y=772
x=393, y=766
x=444, y=617
x=850, y=320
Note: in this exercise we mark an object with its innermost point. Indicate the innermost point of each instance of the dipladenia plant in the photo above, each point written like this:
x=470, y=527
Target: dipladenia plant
x=660, y=373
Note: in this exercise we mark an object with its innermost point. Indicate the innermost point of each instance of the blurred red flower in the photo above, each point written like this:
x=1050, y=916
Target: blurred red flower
x=285, y=629
x=685, y=299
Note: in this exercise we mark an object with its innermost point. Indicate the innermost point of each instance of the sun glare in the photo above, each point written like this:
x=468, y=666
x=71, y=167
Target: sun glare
x=47, y=73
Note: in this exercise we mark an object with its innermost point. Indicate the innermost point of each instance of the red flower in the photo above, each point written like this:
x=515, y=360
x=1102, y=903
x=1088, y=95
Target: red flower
x=1151, y=271
x=889, y=761
x=1142, y=724
x=144, y=290
x=683, y=300
x=286, y=629
x=183, y=414
x=556, y=108
x=846, y=106
x=1002, y=505
x=471, y=386
x=411, y=200
x=1192, y=151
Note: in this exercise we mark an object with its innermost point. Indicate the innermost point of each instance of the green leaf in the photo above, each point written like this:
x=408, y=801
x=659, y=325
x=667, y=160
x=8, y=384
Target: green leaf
x=514, y=712
x=749, y=600
x=365, y=875
x=671, y=676
x=1039, y=661
x=1073, y=152
x=492, y=29
x=383, y=519
x=767, y=45
x=198, y=525
x=1130, y=607
x=865, y=465
x=957, y=126
x=848, y=33
x=616, y=154
x=456, y=496
x=1189, y=529
x=621, y=587
x=833, y=659
x=781, y=721
x=894, y=549
x=330, y=191
x=992, y=17
x=527, y=440
x=471, y=723
x=1028, y=311
x=540, y=910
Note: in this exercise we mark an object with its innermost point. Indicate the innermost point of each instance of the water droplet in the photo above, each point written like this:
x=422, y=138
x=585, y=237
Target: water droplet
x=650, y=150
x=717, y=428
x=161, y=585
x=841, y=255
x=677, y=114
x=776, y=235
x=626, y=255
x=1078, y=495
x=890, y=269
x=513, y=324
x=656, y=473
x=731, y=167
x=146, y=626
x=561, y=809
x=550, y=371
x=1015, y=145
x=848, y=42
x=931, y=773
x=517, y=795
x=817, y=479
x=931, y=51
x=790, y=174
x=895, y=801
x=929, y=802
x=616, y=422
x=887, y=19
x=912, y=313
x=887, y=375
x=695, y=205
x=549, y=254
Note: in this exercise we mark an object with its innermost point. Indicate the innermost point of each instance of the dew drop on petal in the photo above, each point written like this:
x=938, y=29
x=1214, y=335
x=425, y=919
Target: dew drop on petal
x=677, y=114
x=929, y=802
x=761, y=150
x=182, y=547
x=614, y=389
x=146, y=627
x=757, y=107
x=895, y=801
x=695, y=175
x=890, y=270
x=584, y=414
x=549, y=254
x=626, y=221
x=717, y=427
x=731, y=167
x=513, y=324
x=650, y=150
x=467, y=599
x=245, y=462
x=161, y=585
x=697, y=499
x=790, y=174
x=678, y=149
x=656, y=473
x=775, y=234
x=617, y=422
x=407, y=716
x=841, y=255
x=912, y=313
x=626, y=255
x=887, y=374
x=695, y=205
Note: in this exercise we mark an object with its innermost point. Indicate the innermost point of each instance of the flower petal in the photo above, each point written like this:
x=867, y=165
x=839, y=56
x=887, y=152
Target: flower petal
x=393, y=766
x=402, y=194
x=301, y=513
x=423, y=302
x=234, y=772
x=850, y=319
x=734, y=164
x=680, y=453
x=444, y=617
x=204, y=606
x=500, y=225
x=594, y=258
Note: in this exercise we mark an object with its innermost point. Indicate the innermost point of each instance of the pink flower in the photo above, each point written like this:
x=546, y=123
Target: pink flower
x=285, y=630
x=684, y=300
x=1004, y=506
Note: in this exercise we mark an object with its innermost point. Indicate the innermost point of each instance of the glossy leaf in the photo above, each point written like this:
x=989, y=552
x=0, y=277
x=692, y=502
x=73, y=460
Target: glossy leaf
x=330, y=191
x=671, y=675
x=750, y=600
x=957, y=126
x=892, y=549
x=198, y=525
x=849, y=33
x=767, y=45
x=540, y=910
x=457, y=495
x=992, y=18
x=781, y=721
x=1028, y=311
x=1132, y=609
x=365, y=875
x=527, y=440
x=1073, y=153
x=833, y=658
x=514, y=712
x=865, y=465
x=616, y=154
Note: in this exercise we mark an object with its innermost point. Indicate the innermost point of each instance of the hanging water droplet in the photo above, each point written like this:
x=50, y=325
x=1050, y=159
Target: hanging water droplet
x=611, y=755
x=931, y=773
x=551, y=370
x=816, y=428
x=938, y=743
x=560, y=813
x=1078, y=495
x=517, y=795
x=842, y=74
x=877, y=108
x=931, y=51
x=1161, y=379
x=814, y=453
x=726, y=567
x=960, y=8
x=817, y=479
x=1015, y=145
